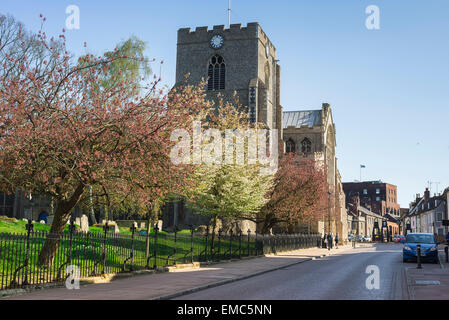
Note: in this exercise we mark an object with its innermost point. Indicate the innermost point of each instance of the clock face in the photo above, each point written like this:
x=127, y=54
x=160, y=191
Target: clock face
x=216, y=41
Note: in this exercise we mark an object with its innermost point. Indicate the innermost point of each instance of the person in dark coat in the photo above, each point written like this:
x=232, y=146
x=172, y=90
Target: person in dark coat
x=447, y=238
x=329, y=241
x=336, y=241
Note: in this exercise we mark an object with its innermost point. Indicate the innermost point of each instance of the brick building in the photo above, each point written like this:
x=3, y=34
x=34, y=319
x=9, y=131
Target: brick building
x=379, y=197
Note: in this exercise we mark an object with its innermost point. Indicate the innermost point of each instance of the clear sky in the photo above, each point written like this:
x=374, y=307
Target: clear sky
x=388, y=88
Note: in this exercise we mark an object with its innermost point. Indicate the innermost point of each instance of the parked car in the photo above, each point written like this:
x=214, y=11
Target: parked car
x=350, y=237
x=367, y=239
x=429, y=247
x=399, y=238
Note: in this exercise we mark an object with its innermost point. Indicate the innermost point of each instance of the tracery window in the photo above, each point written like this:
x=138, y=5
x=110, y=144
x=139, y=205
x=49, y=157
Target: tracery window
x=290, y=146
x=306, y=146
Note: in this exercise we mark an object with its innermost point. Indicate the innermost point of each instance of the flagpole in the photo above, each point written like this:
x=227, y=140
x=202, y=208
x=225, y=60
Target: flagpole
x=229, y=13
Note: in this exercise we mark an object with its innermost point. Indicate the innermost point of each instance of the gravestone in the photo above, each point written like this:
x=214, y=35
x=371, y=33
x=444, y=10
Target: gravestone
x=42, y=222
x=142, y=225
x=78, y=221
x=160, y=225
x=116, y=228
x=84, y=223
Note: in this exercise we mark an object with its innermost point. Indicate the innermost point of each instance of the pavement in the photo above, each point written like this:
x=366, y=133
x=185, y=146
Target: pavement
x=184, y=281
x=431, y=282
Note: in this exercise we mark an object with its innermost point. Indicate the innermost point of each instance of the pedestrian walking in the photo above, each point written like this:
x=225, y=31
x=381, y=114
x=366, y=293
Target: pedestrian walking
x=329, y=241
x=325, y=241
x=336, y=241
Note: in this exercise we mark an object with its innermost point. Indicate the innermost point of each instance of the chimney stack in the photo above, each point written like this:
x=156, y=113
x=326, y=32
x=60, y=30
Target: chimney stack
x=426, y=195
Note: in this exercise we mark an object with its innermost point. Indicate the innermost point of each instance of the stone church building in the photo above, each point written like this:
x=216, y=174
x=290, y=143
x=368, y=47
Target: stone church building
x=242, y=60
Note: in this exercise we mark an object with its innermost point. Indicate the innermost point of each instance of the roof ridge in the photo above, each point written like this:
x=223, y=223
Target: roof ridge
x=303, y=110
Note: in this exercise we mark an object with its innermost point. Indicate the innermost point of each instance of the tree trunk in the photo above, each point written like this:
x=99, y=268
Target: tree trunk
x=62, y=215
x=92, y=213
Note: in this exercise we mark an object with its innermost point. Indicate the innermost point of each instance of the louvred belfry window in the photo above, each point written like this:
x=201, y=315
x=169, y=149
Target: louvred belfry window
x=216, y=73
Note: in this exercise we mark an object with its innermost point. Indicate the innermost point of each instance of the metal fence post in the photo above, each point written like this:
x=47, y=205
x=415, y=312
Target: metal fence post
x=133, y=230
x=29, y=228
x=255, y=242
x=418, y=248
x=240, y=245
x=156, y=229
x=249, y=236
x=105, y=228
x=191, y=243
x=174, y=249
x=205, y=249
x=147, y=248
x=230, y=245
x=219, y=244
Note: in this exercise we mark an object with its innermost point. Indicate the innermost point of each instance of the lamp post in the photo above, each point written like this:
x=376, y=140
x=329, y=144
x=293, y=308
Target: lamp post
x=329, y=239
x=329, y=212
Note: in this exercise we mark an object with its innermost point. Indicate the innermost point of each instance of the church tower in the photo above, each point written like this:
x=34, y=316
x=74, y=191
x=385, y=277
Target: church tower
x=238, y=59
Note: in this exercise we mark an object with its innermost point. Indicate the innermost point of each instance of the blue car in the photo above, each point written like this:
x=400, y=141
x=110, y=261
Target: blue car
x=429, y=247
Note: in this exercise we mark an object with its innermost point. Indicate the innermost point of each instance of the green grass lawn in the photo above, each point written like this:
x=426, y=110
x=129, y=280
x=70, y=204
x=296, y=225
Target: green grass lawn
x=20, y=227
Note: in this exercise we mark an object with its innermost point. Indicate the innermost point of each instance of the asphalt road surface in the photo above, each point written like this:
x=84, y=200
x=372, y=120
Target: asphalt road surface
x=337, y=277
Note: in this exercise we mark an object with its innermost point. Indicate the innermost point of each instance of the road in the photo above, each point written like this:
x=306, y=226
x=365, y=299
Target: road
x=340, y=276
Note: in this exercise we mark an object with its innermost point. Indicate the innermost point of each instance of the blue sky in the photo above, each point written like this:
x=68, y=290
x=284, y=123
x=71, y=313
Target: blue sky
x=388, y=88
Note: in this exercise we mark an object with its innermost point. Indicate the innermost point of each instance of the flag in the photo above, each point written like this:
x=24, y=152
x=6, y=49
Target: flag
x=362, y=166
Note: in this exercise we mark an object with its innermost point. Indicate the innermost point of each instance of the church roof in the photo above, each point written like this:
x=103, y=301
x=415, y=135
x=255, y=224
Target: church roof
x=297, y=119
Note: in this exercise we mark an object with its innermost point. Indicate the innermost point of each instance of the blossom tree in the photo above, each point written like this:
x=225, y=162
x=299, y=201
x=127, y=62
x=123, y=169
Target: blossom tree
x=62, y=133
x=300, y=193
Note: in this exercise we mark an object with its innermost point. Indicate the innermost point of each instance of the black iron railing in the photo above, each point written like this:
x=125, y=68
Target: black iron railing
x=108, y=252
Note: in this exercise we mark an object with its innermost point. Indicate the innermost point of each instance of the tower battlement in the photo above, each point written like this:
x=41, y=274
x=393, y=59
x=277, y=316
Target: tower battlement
x=251, y=27
x=234, y=32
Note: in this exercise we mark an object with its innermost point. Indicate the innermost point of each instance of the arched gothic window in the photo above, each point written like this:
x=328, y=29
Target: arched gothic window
x=290, y=146
x=306, y=146
x=216, y=73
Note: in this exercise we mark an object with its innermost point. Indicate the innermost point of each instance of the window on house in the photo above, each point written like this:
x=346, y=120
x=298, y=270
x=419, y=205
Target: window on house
x=377, y=191
x=290, y=146
x=216, y=73
x=306, y=146
x=365, y=191
x=377, y=198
